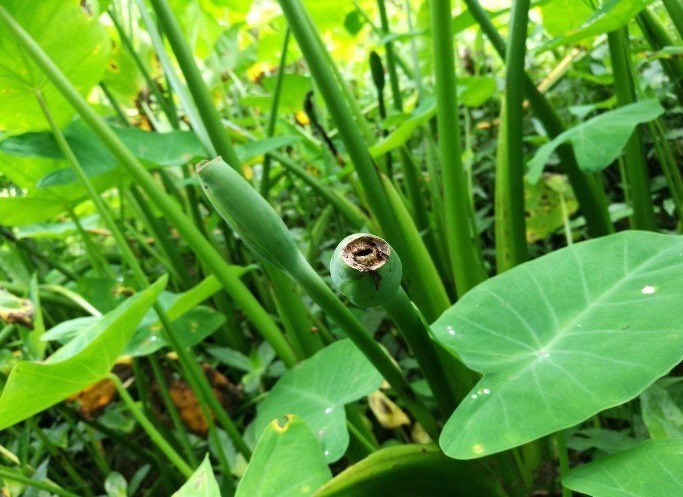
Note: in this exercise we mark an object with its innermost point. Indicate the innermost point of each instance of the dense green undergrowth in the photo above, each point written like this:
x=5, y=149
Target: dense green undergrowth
x=184, y=312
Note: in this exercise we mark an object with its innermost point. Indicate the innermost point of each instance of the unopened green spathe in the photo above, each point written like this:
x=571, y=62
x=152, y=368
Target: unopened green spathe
x=248, y=213
x=366, y=269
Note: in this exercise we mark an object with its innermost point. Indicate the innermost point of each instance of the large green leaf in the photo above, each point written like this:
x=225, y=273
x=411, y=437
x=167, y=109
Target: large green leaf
x=79, y=47
x=598, y=141
x=563, y=337
x=652, y=469
x=287, y=462
x=34, y=386
x=317, y=390
x=158, y=149
x=410, y=471
x=610, y=16
x=202, y=483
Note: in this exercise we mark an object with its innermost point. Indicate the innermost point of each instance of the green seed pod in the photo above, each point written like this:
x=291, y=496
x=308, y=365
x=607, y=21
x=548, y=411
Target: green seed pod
x=248, y=213
x=366, y=269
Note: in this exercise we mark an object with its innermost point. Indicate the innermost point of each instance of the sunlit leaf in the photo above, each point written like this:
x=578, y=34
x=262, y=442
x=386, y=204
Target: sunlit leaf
x=563, y=337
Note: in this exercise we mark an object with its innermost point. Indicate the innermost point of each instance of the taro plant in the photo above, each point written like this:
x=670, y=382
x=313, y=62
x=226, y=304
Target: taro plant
x=293, y=248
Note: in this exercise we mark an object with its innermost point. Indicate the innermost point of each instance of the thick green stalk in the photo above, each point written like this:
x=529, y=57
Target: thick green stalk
x=411, y=173
x=322, y=70
x=294, y=315
x=563, y=456
x=658, y=38
x=272, y=119
x=202, y=248
x=511, y=235
x=311, y=46
x=391, y=59
x=675, y=10
x=159, y=230
x=352, y=103
x=671, y=170
x=147, y=425
x=588, y=190
x=434, y=290
x=636, y=180
x=415, y=330
x=462, y=240
x=195, y=83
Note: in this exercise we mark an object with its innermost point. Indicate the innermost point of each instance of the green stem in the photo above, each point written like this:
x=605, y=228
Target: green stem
x=658, y=38
x=147, y=425
x=272, y=119
x=415, y=330
x=391, y=59
x=636, y=180
x=563, y=456
x=675, y=10
x=671, y=171
x=293, y=313
x=212, y=120
x=588, y=190
x=349, y=131
x=511, y=246
x=461, y=237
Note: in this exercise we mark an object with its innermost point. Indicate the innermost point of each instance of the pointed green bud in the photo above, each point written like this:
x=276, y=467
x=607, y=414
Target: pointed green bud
x=366, y=269
x=248, y=213
x=377, y=70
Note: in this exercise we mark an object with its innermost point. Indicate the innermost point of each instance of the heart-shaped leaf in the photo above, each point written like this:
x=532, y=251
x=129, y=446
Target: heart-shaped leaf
x=317, y=390
x=652, y=469
x=287, y=462
x=563, y=337
x=34, y=386
x=598, y=141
